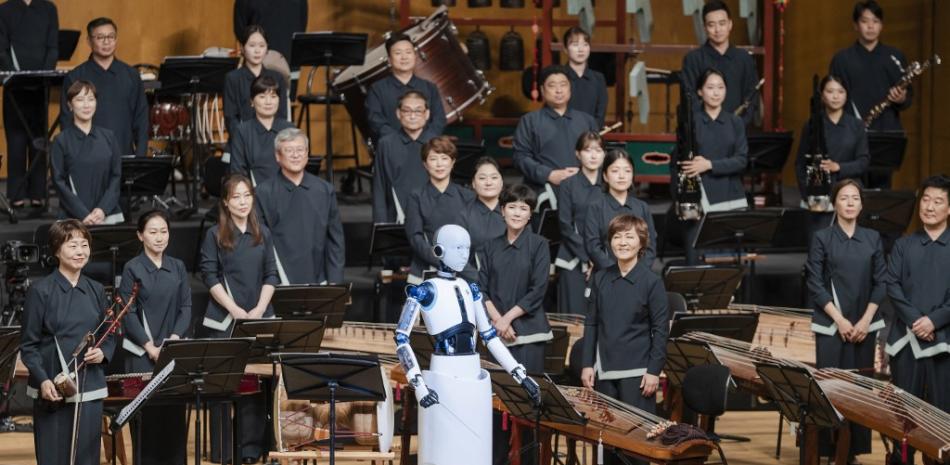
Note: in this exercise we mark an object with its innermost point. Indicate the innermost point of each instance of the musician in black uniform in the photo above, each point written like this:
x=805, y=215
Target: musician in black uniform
x=514, y=279
x=722, y=154
x=545, y=138
x=252, y=142
x=736, y=67
x=845, y=140
x=122, y=107
x=239, y=268
x=162, y=311
x=382, y=101
x=574, y=196
x=619, y=198
x=87, y=163
x=281, y=19
x=588, y=87
x=871, y=70
x=397, y=167
x=847, y=282
x=437, y=203
x=627, y=322
x=301, y=212
x=918, y=287
x=238, y=82
x=483, y=218
x=29, y=40
x=60, y=310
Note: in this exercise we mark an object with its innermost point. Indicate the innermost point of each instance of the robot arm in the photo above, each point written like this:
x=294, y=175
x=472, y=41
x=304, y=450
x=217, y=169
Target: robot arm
x=417, y=298
x=498, y=349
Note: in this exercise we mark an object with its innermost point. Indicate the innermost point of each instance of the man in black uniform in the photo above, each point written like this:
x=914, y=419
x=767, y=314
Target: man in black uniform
x=870, y=71
x=920, y=291
x=398, y=170
x=383, y=97
x=736, y=65
x=29, y=31
x=301, y=211
x=544, y=139
x=120, y=98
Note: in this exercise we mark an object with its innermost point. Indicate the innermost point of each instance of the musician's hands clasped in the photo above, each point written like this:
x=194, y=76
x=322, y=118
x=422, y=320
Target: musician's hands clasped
x=96, y=216
x=48, y=391
x=152, y=351
x=587, y=377
x=860, y=331
x=558, y=176
x=94, y=356
x=845, y=329
x=830, y=166
x=924, y=329
x=695, y=167
x=648, y=384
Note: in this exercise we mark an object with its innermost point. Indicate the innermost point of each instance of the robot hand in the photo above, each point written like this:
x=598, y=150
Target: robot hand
x=429, y=399
x=531, y=386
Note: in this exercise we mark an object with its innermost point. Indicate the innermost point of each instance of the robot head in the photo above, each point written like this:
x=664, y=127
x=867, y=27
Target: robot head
x=451, y=245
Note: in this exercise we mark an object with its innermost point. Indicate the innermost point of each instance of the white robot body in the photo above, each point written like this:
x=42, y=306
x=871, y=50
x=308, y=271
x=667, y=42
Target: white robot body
x=454, y=393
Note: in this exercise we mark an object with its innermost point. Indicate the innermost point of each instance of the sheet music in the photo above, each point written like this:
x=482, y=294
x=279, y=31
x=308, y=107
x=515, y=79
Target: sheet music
x=126, y=413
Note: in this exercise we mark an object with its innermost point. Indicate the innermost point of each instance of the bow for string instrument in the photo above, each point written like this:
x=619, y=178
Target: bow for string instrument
x=66, y=382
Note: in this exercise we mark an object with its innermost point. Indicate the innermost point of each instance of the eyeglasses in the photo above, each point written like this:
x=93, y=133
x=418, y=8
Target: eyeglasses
x=294, y=151
x=413, y=111
x=104, y=37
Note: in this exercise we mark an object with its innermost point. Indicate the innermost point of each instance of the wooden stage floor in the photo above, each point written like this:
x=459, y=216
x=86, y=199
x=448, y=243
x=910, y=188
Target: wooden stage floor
x=760, y=427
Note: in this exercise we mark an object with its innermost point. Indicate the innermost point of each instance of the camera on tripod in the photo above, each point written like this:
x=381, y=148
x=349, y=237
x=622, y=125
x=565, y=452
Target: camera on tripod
x=19, y=253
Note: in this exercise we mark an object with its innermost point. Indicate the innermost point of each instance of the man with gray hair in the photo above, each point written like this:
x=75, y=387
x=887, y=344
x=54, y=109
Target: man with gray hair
x=301, y=212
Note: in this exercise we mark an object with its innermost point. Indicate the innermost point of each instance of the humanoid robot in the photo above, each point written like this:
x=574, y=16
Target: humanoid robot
x=455, y=392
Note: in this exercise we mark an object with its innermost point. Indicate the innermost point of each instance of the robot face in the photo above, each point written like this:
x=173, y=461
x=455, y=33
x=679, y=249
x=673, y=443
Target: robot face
x=452, y=244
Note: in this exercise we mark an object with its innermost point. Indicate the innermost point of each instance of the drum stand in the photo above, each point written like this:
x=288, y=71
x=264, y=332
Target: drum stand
x=327, y=49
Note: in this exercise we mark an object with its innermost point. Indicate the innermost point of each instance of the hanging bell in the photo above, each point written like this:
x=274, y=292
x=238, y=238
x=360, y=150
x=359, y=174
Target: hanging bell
x=479, y=3
x=443, y=2
x=511, y=55
x=478, y=50
x=512, y=3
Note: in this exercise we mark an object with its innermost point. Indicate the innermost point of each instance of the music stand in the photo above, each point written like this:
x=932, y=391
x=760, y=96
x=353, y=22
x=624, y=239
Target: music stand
x=467, y=153
x=738, y=326
x=119, y=242
x=66, y=42
x=743, y=230
x=388, y=239
x=145, y=177
x=312, y=302
x=886, y=149
x=768, y=152
x=332, y=377
x=554, y=406
x=271, y=337
x=327, y=49
x=704, y=286
x=549, y=227
x=887, y=212
x=681, y=355
x=203, y=367
x=193, y=75
x=799, y=398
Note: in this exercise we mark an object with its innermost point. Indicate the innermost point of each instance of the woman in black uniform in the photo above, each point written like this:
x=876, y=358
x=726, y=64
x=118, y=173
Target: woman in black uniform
x=239, y=268
x=483, y=219
x=574, y=196
x=162, y=312
x=86, y=163
x=253, y=152
x=627, y=321
x=618, y=199
x=60, y=310
x=237, y=83
x=846, y=279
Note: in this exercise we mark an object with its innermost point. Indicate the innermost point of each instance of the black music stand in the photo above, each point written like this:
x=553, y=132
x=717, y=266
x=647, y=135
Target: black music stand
x=799, y=398
x=205, y=367
x=145, y=177
x=887, y=212
x=326, y=303
x=886, y=149
x=332, y=377
x=271, y=337
x=119, y=242
x=388, y=239
x=549, y=227
x=468, y=152
x=742, y=230
x=681, y=355
x=193, y=75
x=704, y=286
x=768, y=152
x=554, y=406
x=738, y=326
x=327, y=49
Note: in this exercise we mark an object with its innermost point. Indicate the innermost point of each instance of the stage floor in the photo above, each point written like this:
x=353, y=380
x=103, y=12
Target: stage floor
x=760, y=427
